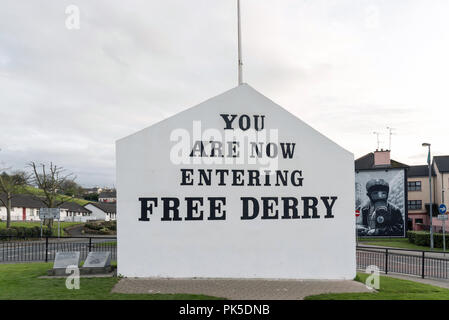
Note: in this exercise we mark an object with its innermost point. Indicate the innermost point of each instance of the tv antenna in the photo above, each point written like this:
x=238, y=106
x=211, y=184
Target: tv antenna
x=390, y=133
x=377, y=135
x=239, y=39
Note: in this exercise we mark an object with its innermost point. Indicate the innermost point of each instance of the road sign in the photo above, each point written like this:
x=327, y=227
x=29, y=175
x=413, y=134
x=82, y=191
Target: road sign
x=357, y=213
x=49, y=213
x=442, y=208
x=442, y=217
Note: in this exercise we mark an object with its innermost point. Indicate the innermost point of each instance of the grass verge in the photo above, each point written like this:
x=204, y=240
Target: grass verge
x=106, y=244
x=21, y=282
x=402, y=243
x=390, y=289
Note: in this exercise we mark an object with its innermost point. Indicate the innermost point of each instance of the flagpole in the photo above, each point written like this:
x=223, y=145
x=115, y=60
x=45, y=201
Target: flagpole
x=240, y=63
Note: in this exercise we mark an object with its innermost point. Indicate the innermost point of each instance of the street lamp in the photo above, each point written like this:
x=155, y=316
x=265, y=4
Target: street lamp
x=430, y=191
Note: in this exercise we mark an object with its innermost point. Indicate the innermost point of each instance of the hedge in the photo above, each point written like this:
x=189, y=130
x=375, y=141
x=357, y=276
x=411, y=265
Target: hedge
x=422, y=238
x=23, y=232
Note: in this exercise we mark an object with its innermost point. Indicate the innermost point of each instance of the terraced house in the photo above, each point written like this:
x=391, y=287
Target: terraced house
x=26, y=208
x=419, y=196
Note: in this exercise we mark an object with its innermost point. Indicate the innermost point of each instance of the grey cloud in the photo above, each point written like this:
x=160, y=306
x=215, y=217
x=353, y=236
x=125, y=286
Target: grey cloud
x=66, y=96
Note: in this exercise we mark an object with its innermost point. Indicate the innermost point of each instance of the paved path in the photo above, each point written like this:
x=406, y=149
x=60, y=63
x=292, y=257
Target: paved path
x=239, y=289
x=75, y=231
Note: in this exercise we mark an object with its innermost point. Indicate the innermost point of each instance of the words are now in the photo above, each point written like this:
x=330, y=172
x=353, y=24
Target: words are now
x=214, y=208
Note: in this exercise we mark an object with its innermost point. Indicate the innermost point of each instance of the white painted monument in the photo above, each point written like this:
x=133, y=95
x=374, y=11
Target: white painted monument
x=235, y=187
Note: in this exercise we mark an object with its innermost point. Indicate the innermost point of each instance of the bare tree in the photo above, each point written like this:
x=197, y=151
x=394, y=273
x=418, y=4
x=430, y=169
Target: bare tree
x=11, y=185
x=52, y=181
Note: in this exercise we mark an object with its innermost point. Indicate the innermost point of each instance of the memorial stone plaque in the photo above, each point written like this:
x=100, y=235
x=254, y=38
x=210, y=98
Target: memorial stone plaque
x=98, y=259
x=98, y=262
x=65, y=259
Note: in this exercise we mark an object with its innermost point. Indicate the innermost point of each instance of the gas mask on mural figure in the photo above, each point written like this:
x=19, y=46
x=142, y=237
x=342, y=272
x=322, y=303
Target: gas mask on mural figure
x=380, y=215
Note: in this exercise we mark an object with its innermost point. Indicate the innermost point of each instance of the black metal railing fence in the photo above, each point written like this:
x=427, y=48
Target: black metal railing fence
x=16, y=249
x=425, y=264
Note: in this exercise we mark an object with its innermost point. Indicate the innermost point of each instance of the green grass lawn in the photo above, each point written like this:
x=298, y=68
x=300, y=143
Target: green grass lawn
x=402, y=243
x=20, y=281
x=30, y=224
x=106, y=244
x=390, y=289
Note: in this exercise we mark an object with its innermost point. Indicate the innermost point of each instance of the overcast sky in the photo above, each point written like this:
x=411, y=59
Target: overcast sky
x=347, y=68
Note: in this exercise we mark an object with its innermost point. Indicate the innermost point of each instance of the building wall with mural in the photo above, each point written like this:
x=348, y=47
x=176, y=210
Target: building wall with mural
x=381, y=199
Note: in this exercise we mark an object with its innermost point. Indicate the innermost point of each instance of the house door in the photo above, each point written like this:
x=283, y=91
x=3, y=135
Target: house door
x=24, y=214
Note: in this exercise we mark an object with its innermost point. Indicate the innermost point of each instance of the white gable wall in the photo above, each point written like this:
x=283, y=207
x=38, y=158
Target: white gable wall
x=97, y=214
x=234, y=248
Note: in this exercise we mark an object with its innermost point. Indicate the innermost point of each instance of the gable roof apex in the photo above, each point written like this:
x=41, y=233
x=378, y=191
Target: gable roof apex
x=366, y=162
x=243, y=98
x=442, y=162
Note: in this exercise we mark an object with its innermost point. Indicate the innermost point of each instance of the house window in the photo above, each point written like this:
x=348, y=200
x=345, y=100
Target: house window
x=414, y=186
x=418, y=221
x=414, y=204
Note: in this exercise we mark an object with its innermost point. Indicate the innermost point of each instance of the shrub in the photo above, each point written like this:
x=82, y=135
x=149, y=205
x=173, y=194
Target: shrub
x=21, y=231
x=3, y=232
x=104, y=231
x=28, y=232
x=12, y=232
x=36, y=231
x=93, y=226
x=46, y=231
x=111, y=225
x=411, y=236
x=105, y=227
x=422, y=238
x=24, y=232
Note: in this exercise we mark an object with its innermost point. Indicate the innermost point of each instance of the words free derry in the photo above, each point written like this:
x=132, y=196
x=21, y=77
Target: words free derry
x=214, y=208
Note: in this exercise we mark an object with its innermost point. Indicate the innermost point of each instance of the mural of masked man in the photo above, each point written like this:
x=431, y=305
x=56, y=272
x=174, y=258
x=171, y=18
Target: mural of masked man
x=380, y=217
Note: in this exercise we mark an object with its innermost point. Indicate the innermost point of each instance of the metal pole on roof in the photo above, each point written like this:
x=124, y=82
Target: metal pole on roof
x=390, y=133
x=239, y=36
x=377, y=135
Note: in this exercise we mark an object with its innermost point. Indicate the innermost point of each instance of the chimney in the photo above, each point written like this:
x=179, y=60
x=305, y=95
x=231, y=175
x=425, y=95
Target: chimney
x=382, y=157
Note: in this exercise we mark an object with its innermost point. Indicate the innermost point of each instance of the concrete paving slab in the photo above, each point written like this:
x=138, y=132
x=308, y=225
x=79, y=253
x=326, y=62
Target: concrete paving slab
x=239, y=289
